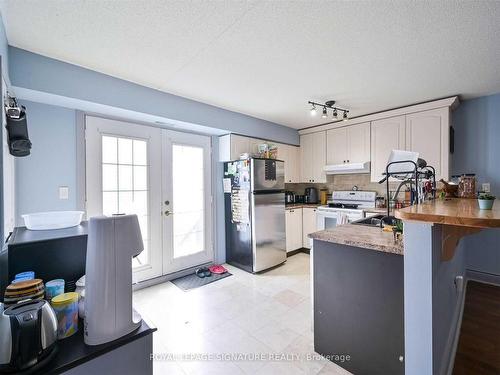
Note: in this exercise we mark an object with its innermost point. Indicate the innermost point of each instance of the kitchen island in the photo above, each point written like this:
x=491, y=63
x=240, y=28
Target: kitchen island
x=434, y=278
x=358, y=298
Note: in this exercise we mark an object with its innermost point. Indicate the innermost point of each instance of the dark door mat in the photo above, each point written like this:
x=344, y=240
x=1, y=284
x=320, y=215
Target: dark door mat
x=192, y=281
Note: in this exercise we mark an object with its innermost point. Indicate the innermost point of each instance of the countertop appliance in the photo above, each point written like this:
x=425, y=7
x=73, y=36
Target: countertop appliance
x=28, y=336
x=344, y=207
x=289, y=197
x=255, y=213
x=51, y=254
x=112, y=242
x=311, y=195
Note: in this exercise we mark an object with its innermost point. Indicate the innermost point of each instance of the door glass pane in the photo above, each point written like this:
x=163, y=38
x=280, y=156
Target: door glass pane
x=125, y=184
x=188, y=200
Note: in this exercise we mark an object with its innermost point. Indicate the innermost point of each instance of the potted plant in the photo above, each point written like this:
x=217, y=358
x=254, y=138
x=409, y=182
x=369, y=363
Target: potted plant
x=485, y=201
x=397, y=230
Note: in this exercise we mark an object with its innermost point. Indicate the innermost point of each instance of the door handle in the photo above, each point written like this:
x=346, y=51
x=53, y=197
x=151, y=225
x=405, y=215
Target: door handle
x=167, y=213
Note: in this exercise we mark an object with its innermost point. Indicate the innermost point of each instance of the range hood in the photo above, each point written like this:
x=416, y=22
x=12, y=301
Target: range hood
x=347, y=168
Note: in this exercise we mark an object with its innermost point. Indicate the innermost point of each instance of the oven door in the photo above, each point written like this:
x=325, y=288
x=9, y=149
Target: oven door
x=326, y=219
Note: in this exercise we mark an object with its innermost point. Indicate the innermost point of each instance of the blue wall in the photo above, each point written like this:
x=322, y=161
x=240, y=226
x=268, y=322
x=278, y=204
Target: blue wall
x=52, y=162
x=477, y=150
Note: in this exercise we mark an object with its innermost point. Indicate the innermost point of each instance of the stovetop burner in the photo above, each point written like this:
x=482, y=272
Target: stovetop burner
x=343, y=205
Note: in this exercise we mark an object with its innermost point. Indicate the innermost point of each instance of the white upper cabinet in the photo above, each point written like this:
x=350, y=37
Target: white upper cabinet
x=425, y=132
x=291, y=156
x=358, y=143
x=349, y=144
x=336, y=141
x=428, y=133
x=313, y=157
x=386, y=135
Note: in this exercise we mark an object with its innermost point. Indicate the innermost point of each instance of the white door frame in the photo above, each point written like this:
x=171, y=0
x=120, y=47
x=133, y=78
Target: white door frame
x=170, y=138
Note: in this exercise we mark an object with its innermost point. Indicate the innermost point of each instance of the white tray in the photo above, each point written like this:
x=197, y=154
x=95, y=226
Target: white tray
x=52, y=220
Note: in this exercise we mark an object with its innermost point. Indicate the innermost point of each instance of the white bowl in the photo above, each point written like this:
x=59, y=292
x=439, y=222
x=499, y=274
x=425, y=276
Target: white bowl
x=52, y=220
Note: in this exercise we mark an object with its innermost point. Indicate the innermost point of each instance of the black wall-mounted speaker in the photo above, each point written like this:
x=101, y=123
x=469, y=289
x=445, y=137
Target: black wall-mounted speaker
x=17, y=134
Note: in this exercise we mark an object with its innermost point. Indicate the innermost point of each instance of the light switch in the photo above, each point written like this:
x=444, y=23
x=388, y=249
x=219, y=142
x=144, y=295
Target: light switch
x=486, y=187
x=63, y=192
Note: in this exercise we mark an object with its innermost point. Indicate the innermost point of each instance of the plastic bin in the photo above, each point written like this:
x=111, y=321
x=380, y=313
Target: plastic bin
x=52, y=220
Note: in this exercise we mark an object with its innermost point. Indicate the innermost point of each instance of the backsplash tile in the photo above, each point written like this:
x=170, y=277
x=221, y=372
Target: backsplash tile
x=343, y=182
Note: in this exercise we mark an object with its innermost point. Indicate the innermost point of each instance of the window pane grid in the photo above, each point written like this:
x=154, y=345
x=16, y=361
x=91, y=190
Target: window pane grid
x=125, y=183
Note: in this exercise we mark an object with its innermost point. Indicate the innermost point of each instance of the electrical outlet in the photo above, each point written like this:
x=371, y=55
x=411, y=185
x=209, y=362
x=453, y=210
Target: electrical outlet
x=63, y=192
x=486, y=187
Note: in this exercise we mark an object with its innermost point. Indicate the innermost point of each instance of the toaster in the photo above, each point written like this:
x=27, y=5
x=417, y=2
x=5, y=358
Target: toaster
x=28, y=335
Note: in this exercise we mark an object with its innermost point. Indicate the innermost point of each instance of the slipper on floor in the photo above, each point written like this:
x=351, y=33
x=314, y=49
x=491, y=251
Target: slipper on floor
x=217, y=269
x=200, y=272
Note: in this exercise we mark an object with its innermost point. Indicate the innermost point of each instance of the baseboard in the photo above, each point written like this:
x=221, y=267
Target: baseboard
x=293, y=252
x=484, y=277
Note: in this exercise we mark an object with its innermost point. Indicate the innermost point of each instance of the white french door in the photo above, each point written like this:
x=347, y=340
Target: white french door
x=163, y=177
x=187, y=207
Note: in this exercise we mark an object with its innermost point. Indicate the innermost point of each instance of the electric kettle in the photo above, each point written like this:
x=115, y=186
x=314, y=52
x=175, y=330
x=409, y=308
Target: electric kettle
x=28, y=335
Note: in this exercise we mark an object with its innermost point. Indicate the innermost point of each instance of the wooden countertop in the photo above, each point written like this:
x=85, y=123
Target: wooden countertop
x=453, y=211
x=363, y=236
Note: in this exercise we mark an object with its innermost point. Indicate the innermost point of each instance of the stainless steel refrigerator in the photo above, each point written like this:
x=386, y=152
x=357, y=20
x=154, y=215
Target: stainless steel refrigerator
x=254, y=199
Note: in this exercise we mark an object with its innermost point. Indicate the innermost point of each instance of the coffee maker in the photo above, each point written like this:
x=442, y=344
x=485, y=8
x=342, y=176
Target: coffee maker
x=311, y=195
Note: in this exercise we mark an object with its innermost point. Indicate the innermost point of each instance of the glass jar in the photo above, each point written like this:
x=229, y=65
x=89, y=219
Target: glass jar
x=467, y=186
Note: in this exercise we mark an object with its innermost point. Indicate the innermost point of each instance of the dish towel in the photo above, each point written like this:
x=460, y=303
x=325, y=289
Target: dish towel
x=342, y=218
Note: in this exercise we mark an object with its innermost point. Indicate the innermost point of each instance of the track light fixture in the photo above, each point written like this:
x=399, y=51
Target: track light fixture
x=313, y=110
x=329, y=105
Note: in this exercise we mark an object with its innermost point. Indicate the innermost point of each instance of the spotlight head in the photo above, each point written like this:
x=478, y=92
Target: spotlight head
x=313, y=110
x=325, y=114
x=335, y=114
x=345, y=116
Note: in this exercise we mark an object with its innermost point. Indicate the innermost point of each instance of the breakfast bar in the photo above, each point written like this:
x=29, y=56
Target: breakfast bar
x=434, y=275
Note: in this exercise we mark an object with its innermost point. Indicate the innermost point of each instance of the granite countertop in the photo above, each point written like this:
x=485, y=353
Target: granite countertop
x=363, y=236
x=302, y=205
x=452, y=211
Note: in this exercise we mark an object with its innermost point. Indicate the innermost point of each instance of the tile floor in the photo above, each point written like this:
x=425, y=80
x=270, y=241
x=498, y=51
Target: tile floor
x=267, y=314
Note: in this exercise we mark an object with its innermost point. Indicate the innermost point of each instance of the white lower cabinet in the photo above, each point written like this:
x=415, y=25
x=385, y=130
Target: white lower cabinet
x=308, y=225
x=293, y=221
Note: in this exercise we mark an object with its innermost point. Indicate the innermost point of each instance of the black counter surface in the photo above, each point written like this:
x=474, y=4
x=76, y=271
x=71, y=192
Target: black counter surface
x=72, y=351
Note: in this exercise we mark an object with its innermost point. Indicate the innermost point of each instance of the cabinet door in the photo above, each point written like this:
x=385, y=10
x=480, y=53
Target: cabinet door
x=428, y=134
x=319, y=157
x=386, y=135
x=293, y=219
x=292, y=163
x=336, y=140
x=306, y=158
x=358, y=143
x=308, y=225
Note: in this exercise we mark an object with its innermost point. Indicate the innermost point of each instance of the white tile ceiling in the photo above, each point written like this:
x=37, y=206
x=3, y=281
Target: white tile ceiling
x=268, y=58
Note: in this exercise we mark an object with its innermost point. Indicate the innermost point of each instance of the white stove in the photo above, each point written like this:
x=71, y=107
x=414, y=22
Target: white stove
x=344, y=207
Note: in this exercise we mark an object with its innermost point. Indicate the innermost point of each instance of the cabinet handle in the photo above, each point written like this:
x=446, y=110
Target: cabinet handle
x=344, y=161
x=348, y=161
x=401, y=358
